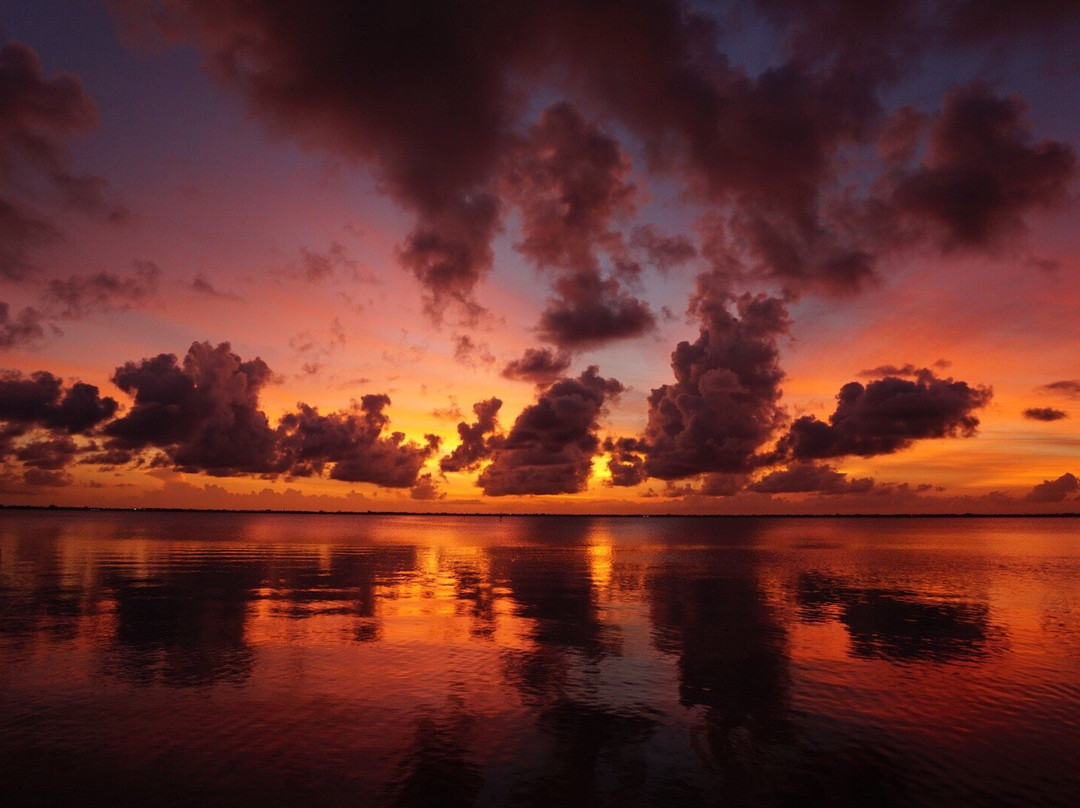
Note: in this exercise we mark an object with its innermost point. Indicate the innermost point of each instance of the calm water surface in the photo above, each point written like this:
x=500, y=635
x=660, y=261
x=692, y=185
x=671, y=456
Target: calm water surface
x=256, y=659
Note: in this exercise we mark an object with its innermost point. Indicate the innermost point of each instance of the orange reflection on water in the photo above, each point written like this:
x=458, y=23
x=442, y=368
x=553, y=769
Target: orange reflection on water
x=550, y=657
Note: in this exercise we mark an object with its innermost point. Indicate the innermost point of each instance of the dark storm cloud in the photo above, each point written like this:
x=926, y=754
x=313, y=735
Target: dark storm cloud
x=450, y=250
x=1067, y=387
x=433, y=97
x=353, y=441
x=46, y=478
x=550, y=448
x=589, y=310
x=1054, y=490
x=1044, y=414
x=37, y=113
x=204, y=412
x=25, y=328
x=104, y=291
x=475, y=443
x=541, y=366
x=888, y=415
x=799, y=252
x=107, y=458
x=626, y=461
x=724, y=403
x=420, y=91
x=49, y=455
x=809, y=477
x=40, y=400
x=716, y=485
x=570, y=181
x=982, y=174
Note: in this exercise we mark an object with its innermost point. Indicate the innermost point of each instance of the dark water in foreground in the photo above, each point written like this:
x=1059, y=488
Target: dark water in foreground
x=183, y=659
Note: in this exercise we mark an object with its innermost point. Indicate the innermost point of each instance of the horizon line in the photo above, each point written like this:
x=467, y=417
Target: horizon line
x=501, y=514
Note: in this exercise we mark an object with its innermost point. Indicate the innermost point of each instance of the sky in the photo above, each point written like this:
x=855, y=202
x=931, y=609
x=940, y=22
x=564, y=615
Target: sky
x=759, y=256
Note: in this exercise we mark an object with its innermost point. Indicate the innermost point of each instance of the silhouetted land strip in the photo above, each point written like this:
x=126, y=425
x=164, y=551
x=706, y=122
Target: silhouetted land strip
x=488, y=514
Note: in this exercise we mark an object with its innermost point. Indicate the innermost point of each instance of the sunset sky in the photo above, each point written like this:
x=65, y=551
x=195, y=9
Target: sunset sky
x=762, y=256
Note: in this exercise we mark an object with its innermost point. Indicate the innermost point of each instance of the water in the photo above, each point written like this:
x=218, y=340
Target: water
x=259, y=659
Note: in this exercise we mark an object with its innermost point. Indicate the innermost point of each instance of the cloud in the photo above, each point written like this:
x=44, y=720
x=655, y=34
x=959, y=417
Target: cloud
x=550, y=448
x=45, y=478
x=541, y=366
x=569, y=181
x=809, y=477
x=426, y=489
x=37, y=114
x=660, y=251
x=724, y=403
x=434, y=100
x=203, y=415
x=422, y=96
x=973, y=21
x=23, y=329
x=351, y=442
x=316, y=267
x=800, y=252
x=475, y=445
x=895, y=34
x=449, y=251
x=1054, y=490
x=888, y=415
x=40, y=400
x=982, y=174
x=20, y=232
x=848, y=29
x=625, y=463
x=589, y=310
x=204, y=412
x=906, y=369
x=105, y=291
x=202, y=286
x=1068, y=387
x=715, y=485
x=1044, y=414
x=52, y=454
x=901, y=134
x=471, y=353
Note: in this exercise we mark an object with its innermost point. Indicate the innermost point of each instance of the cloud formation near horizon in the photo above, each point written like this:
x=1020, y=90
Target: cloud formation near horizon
x=202, y=415
x=723, y=406
x=549, y=449
x=1054, y=490
x=784, y=159
x=887, y=415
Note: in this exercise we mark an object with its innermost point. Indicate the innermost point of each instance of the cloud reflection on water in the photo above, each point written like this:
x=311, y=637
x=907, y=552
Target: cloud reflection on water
x=571, y=665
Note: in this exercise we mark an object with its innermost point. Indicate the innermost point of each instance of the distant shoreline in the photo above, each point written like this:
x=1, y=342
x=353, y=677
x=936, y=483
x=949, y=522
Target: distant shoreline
x=488, y=514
